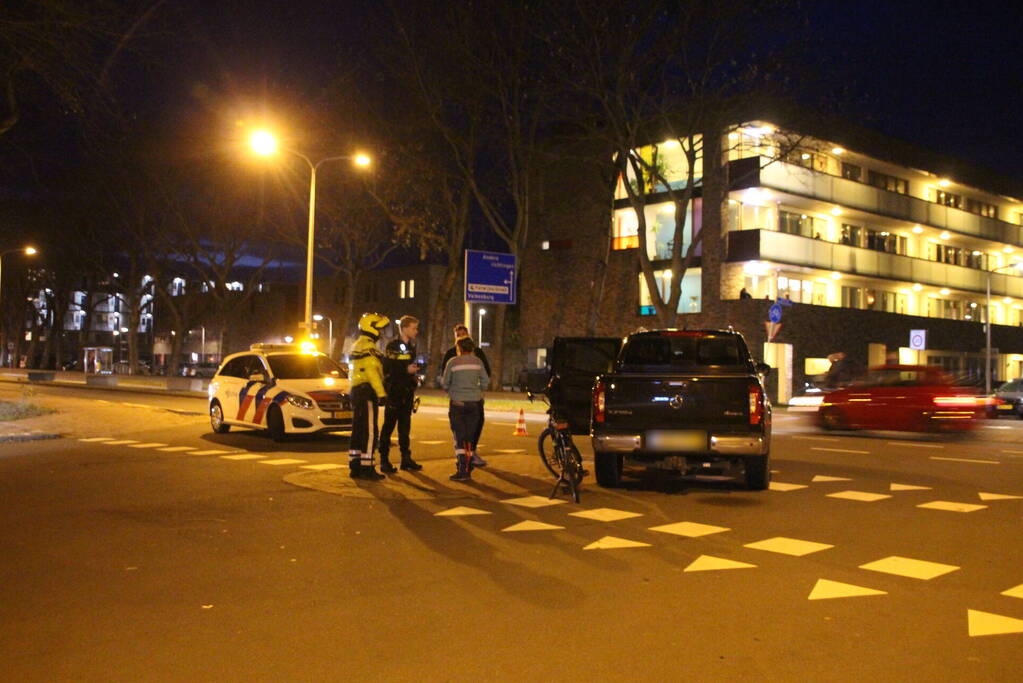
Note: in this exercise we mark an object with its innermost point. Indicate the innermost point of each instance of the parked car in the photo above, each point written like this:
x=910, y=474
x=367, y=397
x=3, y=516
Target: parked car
x=685, y=401
x=916, y=398
x=1008, y=399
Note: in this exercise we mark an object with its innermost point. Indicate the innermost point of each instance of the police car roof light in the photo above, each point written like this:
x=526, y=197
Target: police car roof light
x=273, y=347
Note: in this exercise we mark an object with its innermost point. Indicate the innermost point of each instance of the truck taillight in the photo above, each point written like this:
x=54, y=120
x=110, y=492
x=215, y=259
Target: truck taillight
x=756, y=404
x=599, y=399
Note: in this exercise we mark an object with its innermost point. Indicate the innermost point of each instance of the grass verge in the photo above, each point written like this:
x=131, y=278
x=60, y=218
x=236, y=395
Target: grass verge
x=19, y=410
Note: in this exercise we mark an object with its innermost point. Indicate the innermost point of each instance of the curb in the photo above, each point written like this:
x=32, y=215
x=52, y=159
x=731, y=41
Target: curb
x=13, y=379
x=28, y=436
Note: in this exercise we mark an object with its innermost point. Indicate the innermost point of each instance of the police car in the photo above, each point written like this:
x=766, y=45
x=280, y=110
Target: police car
x=282, y=388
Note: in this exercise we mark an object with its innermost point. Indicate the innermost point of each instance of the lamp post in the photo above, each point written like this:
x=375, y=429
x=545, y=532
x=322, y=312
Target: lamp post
x=483, y=312
x=28, y=251
x=987, y=352
x=330, y=331
x=264, y=143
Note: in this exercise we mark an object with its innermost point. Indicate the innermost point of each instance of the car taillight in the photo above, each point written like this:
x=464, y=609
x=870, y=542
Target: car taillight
x=599, y=392
x=956, y=401
x=756, y=404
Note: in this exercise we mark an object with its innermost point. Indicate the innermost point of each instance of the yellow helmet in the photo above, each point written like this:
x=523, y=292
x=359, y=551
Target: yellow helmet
x=373, y=323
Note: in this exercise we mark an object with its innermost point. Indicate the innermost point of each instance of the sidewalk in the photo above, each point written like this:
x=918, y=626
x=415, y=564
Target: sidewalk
x=132, y=383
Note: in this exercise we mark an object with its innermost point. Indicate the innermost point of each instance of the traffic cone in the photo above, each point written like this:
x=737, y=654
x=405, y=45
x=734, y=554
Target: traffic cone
x=520, y=426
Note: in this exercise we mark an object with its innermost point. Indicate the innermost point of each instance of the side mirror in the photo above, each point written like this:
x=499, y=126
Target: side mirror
x=763, y=369
x=258, y=377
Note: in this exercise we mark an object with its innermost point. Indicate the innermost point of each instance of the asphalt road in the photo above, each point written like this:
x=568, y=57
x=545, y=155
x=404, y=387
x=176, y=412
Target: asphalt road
x=186, y=555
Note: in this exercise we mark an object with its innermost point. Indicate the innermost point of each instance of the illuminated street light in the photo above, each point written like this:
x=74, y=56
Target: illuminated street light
x=483, y=312
x=265, y=144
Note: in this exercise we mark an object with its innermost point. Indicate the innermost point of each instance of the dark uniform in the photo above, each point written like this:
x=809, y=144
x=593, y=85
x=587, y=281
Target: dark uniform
x=401, y=391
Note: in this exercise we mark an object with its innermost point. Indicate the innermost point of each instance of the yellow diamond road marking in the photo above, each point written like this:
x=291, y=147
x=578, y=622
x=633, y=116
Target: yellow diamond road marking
x=530, y=525
x=908, y=567
x=706, y=563
x=606, y=514
x=788, y=546
x=243, y=456
x=689, y=529
x=862, y=496
x=461, y=511
x=1016, y=592
x=281, y=461
x=987, y=624
x=826, y=589
x=98, y=438
x=824, y=477
x=212, y=452
x=781, y=486
x=611, y=542
x=326, y=466
x=908, y=487
x=949, y=506
x=533, y=501
x=176, y=449
x=148, y=445
x=120, y=443
x=998, y=496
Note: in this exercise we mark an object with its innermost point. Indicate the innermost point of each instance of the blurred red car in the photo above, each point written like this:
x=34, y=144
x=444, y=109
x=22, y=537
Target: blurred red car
x=915, y=398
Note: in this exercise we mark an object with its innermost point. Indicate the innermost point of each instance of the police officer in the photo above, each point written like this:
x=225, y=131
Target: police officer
x=400, y=370
x=367, y=392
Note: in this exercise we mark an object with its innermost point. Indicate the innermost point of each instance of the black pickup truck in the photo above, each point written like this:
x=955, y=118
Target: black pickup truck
x=689, y=401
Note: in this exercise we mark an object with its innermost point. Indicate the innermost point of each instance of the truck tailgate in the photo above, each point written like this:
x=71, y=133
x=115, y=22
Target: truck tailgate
x=642, y=401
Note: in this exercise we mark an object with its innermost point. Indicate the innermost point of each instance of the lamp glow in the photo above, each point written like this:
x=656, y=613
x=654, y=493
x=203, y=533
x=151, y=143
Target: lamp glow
x=263, y=143
x=362, y=160
x=31, y=251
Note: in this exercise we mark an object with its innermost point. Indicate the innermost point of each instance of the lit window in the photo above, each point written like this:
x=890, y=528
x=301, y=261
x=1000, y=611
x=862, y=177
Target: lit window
x=401, y=290
x=412, y=289
x=545, y=245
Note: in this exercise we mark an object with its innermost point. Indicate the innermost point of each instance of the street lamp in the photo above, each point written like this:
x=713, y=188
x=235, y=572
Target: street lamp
x=330, y=331
x=483, y=312
x=987, y=353
x=27, y=251
x=264, y=143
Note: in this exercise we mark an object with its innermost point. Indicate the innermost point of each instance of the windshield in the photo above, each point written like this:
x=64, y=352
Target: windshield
x=687, y=351
x=303, y=366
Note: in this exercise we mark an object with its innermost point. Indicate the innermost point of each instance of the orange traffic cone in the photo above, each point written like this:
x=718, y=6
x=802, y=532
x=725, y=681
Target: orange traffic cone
x=520, y=426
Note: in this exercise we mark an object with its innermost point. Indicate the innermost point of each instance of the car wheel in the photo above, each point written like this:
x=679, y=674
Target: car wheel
x=758, y=473
x=609, y=469
x=831, y=419
x=217, y=418
x=275, y=424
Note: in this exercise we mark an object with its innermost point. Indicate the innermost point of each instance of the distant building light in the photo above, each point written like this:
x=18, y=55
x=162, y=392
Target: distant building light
x=917, y=287
x=837, y=151
x=836, y=276
x=917, y=230
x=973, y=304
x=804, y=156
x=545, y=245
x=1007, y=250
x=945, y=291
x=945, y=235
x=836, y=211
x=944, y=182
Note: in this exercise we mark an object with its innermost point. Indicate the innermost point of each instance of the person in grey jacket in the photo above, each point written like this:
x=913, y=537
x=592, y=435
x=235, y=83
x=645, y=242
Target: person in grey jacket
x=464, y=379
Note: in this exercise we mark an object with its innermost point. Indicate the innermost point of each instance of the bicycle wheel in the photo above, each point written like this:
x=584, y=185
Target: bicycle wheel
x=545, y=444
x=572, y=460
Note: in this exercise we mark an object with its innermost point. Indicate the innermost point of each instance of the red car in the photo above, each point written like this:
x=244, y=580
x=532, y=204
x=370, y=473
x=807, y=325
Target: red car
x=915, y=398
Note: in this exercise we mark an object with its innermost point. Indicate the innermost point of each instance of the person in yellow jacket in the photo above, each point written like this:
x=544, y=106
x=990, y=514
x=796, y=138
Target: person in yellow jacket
x=367, y=392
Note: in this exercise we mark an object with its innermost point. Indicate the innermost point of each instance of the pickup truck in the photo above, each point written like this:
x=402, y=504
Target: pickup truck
x=688, y=401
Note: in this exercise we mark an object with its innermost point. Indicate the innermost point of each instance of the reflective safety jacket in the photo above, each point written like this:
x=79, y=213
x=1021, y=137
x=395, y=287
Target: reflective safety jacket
x=367, y=365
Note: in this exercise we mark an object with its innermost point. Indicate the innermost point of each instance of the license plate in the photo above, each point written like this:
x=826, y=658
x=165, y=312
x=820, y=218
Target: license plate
x=340, y=415
x=685, y=440
x=1005, y=406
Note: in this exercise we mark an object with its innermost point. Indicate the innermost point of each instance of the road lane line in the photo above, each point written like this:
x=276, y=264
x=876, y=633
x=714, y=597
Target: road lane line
x=148, y=445
x=121, y=442
x=816, y=438
x=838, y=450
x=97, y=438
x=915, y=444
x=176, y=449
x=982, y=462
x=1017, y=452
x=243, y=456
x=210, y=452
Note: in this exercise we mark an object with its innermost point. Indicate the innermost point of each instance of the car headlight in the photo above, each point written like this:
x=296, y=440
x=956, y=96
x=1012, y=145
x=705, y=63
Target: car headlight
x=301, y=402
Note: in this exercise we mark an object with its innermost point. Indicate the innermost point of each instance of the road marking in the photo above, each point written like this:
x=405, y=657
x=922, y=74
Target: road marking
x=612, y=542
x=282, y=461
x=908, y=567
x=1016, y=592
x=136, y=405
x=998, y=496
x=533, y=501
x=825, y=477
x=788, y=546
x=213, y=452
x=1017, y=452
x=98, y=438
x=988, y=624
x=949, y=506
x=431, y=443
x=997, y=427
x=782, y=486
x=982, y=462
x=461, y=511
x=826, y=589
x=839, y=450
x=606, y=514
x=915, y=444
x=148, y=445
x=689, y=529
x=706, y=563
x=327, y=466
x=530, y=525
x=176, y=449
x=908, y=487
x=509, y=450
x=243, y=456
x=861, y=496
x=816, y=438
x=120, y=442
x=503, y=424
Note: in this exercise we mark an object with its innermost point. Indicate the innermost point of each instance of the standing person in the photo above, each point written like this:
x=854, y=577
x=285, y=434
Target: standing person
x=464, y=379
x=462, y=332
x=400, y=381
x=367, y=392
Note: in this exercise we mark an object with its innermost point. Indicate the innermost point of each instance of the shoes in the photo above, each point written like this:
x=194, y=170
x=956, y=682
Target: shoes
x=387, y=468
x=367, y=472
x=477, y=461
x=409, y=464
x=461, y=475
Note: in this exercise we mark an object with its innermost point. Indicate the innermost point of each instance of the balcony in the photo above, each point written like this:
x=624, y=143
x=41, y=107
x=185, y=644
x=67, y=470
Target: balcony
x=780, y=247
x=801, y=181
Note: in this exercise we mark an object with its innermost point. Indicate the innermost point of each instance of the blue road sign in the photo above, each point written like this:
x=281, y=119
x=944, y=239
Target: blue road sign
x=774, y=313
x=489, y=277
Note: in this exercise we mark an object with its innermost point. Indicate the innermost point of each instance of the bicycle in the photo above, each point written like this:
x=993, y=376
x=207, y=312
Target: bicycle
x=562, y=459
